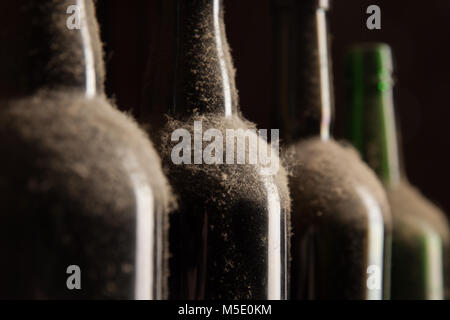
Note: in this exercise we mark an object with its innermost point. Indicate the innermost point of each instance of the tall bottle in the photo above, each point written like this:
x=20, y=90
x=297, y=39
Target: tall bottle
x=420, y=230
x=229, y=237
x=340, y=217
x=83, y=196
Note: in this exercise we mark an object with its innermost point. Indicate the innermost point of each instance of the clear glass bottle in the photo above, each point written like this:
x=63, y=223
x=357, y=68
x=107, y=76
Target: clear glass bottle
x=229, y=237
x=83, y=197
x=340, y=217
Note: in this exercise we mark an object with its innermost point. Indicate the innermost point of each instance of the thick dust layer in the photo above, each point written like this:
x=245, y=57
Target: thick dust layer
x=340, y=219
x=231, y=202
x=72, y=172
x=326, y=175
x=407, y=201
x=419, y=226
x=242, y=179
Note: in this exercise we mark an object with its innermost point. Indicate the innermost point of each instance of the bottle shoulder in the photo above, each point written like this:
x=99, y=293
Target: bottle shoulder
x=74, y=144
x=329, y=182
x=226, y=182
x=412, y=212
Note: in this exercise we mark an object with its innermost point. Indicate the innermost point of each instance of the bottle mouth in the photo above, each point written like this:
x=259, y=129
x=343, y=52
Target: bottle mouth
x=370, y=63
x=311, y=4
x=324, y=4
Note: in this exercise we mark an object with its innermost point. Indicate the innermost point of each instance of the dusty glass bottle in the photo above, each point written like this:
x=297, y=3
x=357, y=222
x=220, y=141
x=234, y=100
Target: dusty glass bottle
x=420, y=240
x=83, y=196
x=229, y=237
x=340, y=217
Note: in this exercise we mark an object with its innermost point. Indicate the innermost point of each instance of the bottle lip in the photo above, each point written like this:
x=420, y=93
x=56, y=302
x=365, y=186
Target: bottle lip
x=316, y=4
x=324, y=4
x=370, y=63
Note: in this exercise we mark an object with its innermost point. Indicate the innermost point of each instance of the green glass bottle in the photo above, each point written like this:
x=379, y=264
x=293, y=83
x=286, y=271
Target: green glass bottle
x=340, y=216
x=420, y=230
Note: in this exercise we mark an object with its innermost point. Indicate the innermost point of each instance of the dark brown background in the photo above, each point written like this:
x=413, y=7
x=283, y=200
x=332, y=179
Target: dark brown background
x=418, y=31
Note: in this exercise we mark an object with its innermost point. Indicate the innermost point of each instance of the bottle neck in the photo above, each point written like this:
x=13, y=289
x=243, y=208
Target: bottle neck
x=303, y=83
x=371, y=125
x=204, y=74
x=49, y=45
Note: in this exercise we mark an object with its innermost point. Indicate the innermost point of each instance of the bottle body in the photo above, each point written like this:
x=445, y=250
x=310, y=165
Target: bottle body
x=81, y=197
x=420, y=230
x=419, y=245
x=341, y=225
x=229, y=238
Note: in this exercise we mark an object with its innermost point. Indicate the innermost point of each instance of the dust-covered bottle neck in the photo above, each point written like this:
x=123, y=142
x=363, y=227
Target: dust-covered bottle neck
x=304, y=95
x=49, y=45
x=204, y=74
